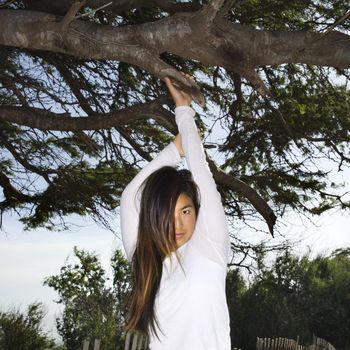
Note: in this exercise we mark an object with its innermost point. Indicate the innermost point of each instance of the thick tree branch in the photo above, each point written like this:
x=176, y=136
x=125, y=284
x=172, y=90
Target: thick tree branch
x=229, y=5
x=23, y=161
x=263, y=47
x=12, y=195
x=47, y=120
x=70, y=15
x=242, y=188
x=209, y=12
x=118, y=6
x=9, y=84
x=230, y=45
x=75, y=86
x=135, y=146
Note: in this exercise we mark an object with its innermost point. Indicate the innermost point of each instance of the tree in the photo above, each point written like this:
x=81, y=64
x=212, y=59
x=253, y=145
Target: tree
x=23, y=331
x=93, y=307
x=296, y=297
x=330, y=300
x=82, y=105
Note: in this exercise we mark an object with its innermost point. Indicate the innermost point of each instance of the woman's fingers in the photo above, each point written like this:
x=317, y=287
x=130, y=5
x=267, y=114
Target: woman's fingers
x=180, y=97
x=188, y=76
x=170, y=86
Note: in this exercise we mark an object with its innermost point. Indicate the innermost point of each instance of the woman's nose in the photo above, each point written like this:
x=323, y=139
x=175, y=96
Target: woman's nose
x=178, y=223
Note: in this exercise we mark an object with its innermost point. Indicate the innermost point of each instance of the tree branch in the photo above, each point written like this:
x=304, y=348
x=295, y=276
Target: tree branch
x=70, y=15
x=135, y=146
x=47, y=120
x=12, y=195
x=23, y=161
x=118, y=6
x=230, y=45
x=242, y=188
x=227, y=7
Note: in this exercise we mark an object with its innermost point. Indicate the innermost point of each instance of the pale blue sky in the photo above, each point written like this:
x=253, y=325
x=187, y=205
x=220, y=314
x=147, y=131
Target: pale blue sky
x=26, y=258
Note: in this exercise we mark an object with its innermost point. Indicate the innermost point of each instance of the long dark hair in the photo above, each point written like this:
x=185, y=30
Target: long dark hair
x=155, y=241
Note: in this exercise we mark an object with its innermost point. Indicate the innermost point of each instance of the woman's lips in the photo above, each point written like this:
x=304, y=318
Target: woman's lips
x=179, y=234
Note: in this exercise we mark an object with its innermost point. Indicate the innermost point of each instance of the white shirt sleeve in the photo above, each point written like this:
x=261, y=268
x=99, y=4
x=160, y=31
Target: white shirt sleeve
x=130, y=200
x=211, y=232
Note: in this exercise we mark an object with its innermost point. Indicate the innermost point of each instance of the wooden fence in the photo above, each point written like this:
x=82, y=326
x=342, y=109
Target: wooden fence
x=322, y=344
x=139, y=341
x=97, y=344
x=136, y=341
x=133, y=341
x=276, y=344
x=290, y=344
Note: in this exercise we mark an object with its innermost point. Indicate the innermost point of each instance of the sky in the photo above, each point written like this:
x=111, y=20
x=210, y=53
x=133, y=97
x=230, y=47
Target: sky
x=27, y=258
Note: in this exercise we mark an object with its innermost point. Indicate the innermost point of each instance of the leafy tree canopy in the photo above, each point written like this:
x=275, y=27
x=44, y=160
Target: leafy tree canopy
x=295, y=297
x=93, y=306
x=23, y=331
x=291, y=297
x=83, y=106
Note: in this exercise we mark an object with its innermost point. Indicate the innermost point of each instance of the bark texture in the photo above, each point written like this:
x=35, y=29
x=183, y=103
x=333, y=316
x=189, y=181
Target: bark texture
x=211, y=40
x=80, y=44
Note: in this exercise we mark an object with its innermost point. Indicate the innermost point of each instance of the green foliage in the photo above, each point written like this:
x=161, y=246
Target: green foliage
x=93, y=308
x=23, y=331
x=284, y=147
x=296, y=297
x=296, y=15
x=80, y=189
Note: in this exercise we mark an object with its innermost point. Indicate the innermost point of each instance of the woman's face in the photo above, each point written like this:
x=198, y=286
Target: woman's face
x=185, y=219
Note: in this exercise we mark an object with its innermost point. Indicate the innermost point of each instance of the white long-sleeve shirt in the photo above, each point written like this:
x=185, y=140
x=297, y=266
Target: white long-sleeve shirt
x=190, y=306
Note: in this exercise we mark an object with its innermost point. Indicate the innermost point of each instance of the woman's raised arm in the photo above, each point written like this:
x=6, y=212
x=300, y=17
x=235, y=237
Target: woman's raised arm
x=130, y=200
x=211, y=227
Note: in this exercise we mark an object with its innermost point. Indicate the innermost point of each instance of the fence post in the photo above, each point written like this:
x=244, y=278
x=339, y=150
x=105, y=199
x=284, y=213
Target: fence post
x=257, y=345
x=288, y=344
x=143, y=342
x=97, y=344
x=86, y=344
x=136, y=340
x=127, y=340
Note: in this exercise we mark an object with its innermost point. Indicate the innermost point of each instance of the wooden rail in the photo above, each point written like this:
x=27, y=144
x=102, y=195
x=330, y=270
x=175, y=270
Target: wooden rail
x=291, y=344
x=138, y=341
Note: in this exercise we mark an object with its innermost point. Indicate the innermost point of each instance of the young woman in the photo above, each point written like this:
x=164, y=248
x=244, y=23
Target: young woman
x=175, y=235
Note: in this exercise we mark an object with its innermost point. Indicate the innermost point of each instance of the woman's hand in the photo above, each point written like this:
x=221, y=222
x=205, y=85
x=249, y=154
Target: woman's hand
x=180, y=97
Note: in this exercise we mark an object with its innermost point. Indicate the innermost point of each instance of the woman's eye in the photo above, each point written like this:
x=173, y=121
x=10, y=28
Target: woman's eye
x=187, y=211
